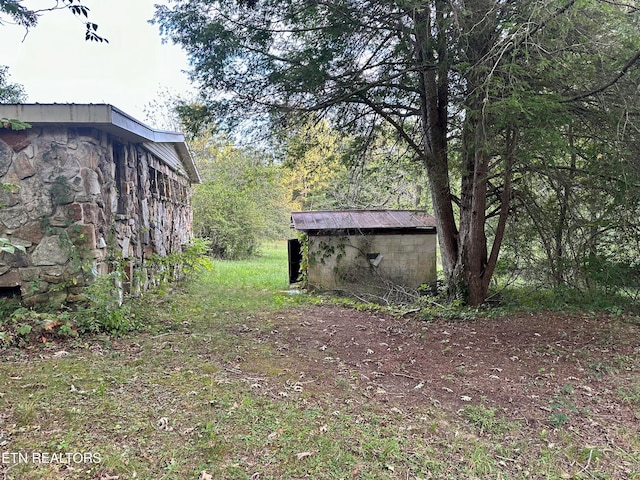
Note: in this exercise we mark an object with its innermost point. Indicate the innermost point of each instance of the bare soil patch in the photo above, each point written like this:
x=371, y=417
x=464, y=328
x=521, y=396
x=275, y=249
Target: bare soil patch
x=545, y=370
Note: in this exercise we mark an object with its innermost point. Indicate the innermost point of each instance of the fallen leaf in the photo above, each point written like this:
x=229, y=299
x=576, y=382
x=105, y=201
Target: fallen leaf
x=302, y=455
x=205, y=476
x=52, y=324
x=163, y=424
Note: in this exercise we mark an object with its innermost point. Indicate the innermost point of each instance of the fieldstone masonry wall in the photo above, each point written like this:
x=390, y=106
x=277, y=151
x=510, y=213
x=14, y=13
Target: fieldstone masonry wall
x=79, y=200
x=371, y=262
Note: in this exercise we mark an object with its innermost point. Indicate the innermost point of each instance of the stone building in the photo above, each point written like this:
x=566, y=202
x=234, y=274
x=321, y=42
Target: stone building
x=87, y=189
x=365, y=250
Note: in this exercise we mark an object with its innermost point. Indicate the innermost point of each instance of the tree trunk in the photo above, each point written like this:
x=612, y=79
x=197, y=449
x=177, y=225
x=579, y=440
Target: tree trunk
x=434, y=88
x=464, y=255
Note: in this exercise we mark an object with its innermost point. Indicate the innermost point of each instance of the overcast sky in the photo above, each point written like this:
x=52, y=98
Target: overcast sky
x=56, y=65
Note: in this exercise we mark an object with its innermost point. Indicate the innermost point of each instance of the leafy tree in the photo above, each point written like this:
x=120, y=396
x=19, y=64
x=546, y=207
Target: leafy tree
x=576, y=199
x=327, y=170
x=14, y=11
x=240, y=200
x=578, y=213
x=475, y=90
x=10, y=92
x=313, y=167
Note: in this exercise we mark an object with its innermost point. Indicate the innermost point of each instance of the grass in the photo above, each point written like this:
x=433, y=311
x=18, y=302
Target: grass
x=199, y=394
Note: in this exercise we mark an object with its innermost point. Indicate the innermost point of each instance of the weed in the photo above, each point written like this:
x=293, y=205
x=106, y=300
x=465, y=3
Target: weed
x=630, y=394
x=562, y=406
x=485, y=419
x=105, y=311
x=25, y=326
x=25, y=412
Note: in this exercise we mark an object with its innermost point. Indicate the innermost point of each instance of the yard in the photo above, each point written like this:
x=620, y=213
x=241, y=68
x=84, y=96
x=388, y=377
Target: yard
x=234, y=378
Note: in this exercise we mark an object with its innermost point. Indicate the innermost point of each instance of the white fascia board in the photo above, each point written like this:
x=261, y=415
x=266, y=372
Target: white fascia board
x=104, y=117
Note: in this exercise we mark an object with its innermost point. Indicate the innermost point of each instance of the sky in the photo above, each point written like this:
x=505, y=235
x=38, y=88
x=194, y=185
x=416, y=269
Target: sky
x=56, y=65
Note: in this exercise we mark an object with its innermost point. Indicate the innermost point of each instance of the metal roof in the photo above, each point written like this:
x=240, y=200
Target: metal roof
x=110, y=119
x=168, y=154
x=363, y=220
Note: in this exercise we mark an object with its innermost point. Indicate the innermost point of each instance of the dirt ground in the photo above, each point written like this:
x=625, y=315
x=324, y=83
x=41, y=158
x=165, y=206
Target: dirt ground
x=543, y=370
x=553, y=378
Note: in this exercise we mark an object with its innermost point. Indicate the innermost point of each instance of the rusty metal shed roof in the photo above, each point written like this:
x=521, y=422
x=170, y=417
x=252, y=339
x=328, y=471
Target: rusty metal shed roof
x=365, y=220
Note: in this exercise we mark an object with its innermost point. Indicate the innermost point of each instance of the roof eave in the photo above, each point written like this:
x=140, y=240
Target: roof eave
x=104, y=117
x=187, y=161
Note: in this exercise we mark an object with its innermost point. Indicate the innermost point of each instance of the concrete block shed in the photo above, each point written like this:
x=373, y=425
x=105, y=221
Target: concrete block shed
x=89, y=187
x=364, y=250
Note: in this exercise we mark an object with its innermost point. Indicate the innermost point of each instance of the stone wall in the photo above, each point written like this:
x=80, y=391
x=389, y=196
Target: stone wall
x=79, y=201
x=371, y=262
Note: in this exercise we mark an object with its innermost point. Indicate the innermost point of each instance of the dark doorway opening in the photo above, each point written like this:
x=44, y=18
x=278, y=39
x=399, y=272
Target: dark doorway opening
x=295, y=259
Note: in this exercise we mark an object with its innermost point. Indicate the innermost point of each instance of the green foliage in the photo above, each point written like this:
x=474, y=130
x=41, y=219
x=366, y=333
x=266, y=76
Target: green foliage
x=106, y=311
x=61, y=191
x=485, y=419
x=13, y=124
x=7, y=246
x=181, y=266
x=105, y=308
x=24, y=326
x=431, y=308
x=326, y=169
x=194, y=258
x=240, y=200
x=11, y=93
x=529, y=298
x=562, y=407
x=528, y=110
x=103, y=311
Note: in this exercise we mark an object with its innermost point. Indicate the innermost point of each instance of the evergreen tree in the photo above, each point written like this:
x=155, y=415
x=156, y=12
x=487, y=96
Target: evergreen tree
x=475, y=90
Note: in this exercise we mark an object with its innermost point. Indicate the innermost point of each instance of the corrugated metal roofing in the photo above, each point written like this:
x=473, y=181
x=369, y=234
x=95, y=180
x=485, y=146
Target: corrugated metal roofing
x=362, y=220
x=167, y=153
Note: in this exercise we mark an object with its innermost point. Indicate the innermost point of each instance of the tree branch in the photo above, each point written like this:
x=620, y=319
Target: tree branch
x=602, y=88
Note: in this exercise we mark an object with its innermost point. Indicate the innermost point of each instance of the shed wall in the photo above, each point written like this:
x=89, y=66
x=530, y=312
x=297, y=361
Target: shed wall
x=347, y=263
